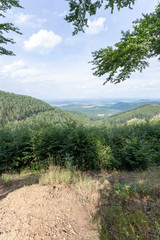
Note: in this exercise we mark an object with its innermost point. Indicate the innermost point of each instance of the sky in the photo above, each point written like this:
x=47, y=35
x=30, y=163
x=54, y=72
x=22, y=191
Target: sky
x=52, y=64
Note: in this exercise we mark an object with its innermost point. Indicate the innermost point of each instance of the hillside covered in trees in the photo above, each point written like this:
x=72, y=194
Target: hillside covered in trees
x=60, y=137
x=146, y=111
x=18, y=107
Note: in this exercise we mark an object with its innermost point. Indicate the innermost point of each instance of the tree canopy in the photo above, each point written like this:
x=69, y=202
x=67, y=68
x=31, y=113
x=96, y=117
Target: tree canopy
x=132, y=52
x=134, y=49
x=7, y=27
x=78, y=10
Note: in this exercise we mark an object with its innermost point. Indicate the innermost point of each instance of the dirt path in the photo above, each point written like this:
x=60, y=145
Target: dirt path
x=43, y=212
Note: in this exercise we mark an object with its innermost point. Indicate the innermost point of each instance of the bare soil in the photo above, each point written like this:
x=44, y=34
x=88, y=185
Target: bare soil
x=44, y=212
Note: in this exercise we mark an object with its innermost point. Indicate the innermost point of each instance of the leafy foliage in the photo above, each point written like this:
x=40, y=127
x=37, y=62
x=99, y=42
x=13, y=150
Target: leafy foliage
x=80, y=8
x=132, y=52
x=7, y=27
x=36, y=141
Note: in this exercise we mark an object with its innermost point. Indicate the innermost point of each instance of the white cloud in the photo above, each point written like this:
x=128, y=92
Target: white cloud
x=10, y=68
x=21, y=71
x=96, y=26
x=48, y=80
x=44, y=41
x=29, y=20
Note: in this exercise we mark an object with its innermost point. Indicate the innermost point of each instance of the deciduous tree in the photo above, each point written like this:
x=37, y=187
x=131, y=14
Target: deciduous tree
x=7, y=27
x=133, y=52
x=135, y=48
x=80, y=9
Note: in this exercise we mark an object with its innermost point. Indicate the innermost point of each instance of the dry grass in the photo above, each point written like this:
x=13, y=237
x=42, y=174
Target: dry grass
x=19, y=180
x=57, y=175
x=85, y=185
x=127, y=204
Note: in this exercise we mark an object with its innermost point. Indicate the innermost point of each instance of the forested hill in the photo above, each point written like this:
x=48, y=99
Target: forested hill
x=122, y=106
x=34, y=134
x=146, y=111
x=17, y=107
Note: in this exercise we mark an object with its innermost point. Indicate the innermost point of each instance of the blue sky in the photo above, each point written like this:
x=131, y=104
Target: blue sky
x=50, y=63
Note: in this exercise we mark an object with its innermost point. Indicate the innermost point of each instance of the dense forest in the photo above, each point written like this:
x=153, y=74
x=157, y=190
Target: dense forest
x=17, y=107
x=146, y=111
x=47, y=135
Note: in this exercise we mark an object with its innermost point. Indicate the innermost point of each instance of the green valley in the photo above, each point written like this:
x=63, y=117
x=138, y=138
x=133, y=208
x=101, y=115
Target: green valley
x=60, y=146
x=102, y=109
x=33, y=133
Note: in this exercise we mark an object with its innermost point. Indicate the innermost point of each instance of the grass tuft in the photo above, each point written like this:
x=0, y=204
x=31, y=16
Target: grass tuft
x=57, y=175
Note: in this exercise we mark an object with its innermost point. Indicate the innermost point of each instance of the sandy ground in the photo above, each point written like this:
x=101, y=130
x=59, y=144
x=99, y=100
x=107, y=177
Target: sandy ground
x=44, y=212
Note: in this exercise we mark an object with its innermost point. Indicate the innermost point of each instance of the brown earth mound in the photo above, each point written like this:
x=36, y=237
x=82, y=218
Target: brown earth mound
x=44, y=212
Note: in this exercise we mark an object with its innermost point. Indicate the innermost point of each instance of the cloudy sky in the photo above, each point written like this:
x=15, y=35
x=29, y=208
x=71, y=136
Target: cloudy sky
x=50, y=63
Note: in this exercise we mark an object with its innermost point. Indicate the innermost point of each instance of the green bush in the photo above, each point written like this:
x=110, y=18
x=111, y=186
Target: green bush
x=105, y=156
x=135, y=155
x=36, y=142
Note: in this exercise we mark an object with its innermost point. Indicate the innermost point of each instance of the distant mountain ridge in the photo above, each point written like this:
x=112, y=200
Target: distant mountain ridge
x=100, y=109
x=145, y=111
x=14, y=107
x=127, y=105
